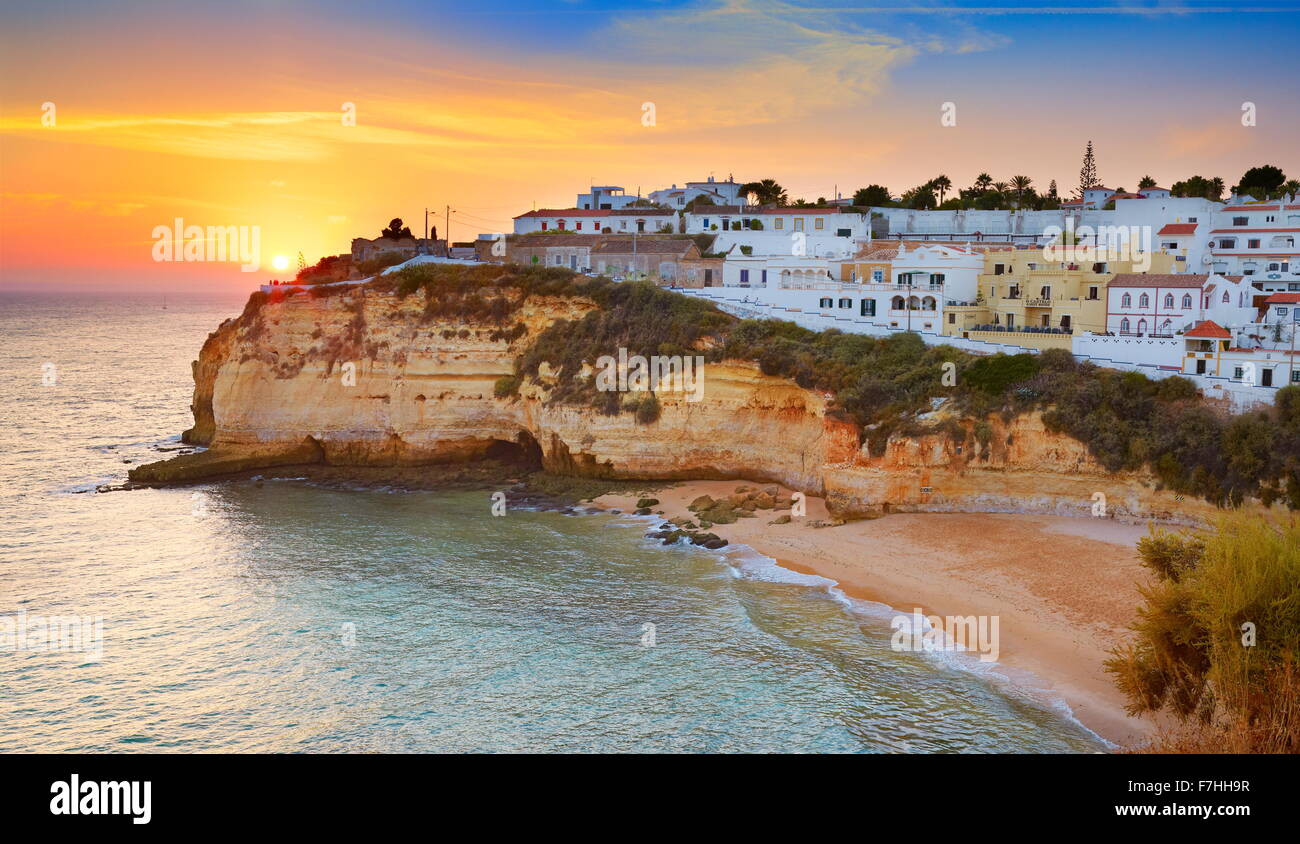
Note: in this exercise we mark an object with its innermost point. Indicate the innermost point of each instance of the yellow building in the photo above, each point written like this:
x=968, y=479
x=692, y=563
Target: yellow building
x=1029, y=297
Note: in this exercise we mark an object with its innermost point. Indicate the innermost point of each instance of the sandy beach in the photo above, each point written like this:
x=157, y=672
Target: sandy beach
x=1064, y=589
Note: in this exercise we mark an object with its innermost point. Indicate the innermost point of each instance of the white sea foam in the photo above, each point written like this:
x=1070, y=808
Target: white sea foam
x=748, y=563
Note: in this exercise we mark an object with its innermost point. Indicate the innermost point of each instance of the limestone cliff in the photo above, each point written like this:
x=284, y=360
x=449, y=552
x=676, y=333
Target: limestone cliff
x=365, y=377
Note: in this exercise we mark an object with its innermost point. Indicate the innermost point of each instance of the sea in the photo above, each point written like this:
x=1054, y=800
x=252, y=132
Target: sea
x=278, y=615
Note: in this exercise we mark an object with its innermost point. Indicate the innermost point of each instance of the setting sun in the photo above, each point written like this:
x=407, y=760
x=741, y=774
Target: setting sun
x=280, y=262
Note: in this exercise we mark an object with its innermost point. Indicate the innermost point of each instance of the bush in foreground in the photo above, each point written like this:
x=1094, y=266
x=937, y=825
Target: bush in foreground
x=1218, y=638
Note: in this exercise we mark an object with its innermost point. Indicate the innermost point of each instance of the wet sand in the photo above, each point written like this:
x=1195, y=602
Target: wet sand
x=1064, y=589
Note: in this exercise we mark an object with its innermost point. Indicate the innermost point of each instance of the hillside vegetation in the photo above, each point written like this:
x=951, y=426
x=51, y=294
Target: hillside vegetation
x=1218, y=638
x=884, y=385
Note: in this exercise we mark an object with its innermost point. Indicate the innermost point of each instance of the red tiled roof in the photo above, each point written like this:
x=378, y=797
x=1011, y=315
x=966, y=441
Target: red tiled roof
x=792, y=210
x=565, y=212
x=1157, y=280
x=1231, y=231
x=1283, y=299
x=546, y=239
x=1209, y=329
x=1174, y=229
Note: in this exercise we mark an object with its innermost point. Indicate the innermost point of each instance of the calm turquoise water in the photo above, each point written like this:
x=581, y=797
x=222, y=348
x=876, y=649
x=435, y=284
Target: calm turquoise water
x=290, y=617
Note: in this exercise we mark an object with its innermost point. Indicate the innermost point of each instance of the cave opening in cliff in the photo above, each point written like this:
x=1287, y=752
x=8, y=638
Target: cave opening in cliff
x=525, y=451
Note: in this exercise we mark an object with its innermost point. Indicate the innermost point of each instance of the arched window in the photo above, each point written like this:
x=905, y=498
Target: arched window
x=1226, y=297
x=1142, y=326
x=1167, y=328
x=1144, y=301
x=1123, y=325
x=927, y=303
x=1169, y=300
x=1126, y=302
x=913, y=304
x=1187, y=301
x=896, y=303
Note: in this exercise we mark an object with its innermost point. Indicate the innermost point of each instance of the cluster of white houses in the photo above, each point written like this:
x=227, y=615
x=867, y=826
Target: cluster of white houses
x=1144, y=281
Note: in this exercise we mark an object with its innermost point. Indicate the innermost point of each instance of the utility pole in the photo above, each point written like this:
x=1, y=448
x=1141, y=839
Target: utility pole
x=447, y=233
x=426, y=223
x=1290, y=372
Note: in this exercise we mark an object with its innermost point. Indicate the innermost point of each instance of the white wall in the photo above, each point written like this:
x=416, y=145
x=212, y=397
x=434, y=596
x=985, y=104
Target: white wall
x=778, y=243
x=1144, y=350
x=1152, y=359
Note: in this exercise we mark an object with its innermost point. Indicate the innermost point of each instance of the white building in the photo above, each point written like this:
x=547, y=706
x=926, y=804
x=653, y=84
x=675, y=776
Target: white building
x=595, y=221
x=605, y=198
x=719, y=193
x=1162, y=305
x=1155, y=305
x=1154, y=210
x=782, y=220
x=906, y=289
x=1282, y=308
x=1209, y=351
x=775, y=271
x=765, y=242
x=1258, y=240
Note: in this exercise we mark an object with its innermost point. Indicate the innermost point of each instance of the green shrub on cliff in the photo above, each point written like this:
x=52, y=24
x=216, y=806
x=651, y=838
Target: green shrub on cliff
x=637, y=316
x=883, y=384
x=381, y=262
x=646, y=409
x=505, y=387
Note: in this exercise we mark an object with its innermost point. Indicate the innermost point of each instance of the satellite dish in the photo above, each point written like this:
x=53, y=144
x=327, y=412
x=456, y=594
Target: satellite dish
x=1207, y=259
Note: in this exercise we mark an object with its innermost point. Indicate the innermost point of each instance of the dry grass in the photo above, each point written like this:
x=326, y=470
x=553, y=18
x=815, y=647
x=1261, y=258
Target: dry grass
x=1218, y=645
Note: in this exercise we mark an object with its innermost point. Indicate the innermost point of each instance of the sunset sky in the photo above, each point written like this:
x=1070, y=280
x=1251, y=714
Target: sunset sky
x=230, y=113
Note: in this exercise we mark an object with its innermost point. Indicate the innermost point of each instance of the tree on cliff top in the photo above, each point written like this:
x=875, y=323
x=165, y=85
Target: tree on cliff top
x=1088, y=173
x=1263, y=182
x=872, y=195
x=396, y=231
x=765, y=192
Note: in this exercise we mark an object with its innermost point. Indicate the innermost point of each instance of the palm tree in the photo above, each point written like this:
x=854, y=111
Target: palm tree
x=766, y=192
x=1001, y=187
x=942, y=184
x=1021, y=184
x=983, y=182
x=1217, y=187
x=1291, y=186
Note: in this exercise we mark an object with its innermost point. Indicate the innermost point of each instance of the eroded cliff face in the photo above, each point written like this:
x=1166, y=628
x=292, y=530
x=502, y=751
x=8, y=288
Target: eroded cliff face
x=365, y=378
